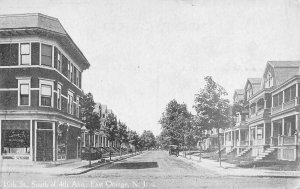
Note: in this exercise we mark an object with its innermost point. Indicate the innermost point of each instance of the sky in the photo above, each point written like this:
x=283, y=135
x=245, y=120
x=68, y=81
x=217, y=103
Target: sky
x=144, y=53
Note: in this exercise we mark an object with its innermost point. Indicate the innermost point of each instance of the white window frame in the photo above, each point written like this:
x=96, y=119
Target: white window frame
x=46, y=82
x=20, y=53
x=77, y=106
x=70, y=103
x=52, y=57
x=59, y=60
x=58, y=105
x=20, y=82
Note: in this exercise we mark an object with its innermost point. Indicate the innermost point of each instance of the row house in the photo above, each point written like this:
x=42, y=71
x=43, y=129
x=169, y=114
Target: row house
x=270, y=115
x=99, y=139
x=211, y=142
x=40, y=87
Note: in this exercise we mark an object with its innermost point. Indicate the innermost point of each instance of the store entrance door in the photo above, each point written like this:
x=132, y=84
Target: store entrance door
x=44, y=151
x=44, y=141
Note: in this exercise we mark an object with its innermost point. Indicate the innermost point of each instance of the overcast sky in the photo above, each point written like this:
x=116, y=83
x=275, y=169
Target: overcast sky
x=144, y=53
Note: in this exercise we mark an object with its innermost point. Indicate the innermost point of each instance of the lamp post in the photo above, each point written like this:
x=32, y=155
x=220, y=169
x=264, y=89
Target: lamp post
x=78, y=141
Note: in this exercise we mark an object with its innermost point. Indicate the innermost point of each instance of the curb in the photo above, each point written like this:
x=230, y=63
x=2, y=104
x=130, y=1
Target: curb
x=235, y=175
x=101, y=165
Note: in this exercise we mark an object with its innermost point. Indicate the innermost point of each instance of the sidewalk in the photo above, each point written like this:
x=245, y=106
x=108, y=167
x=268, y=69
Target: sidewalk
x=228, y=169
x=73, y=168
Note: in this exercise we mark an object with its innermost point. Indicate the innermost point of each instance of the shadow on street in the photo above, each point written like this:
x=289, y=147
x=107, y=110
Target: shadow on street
x=134, y=165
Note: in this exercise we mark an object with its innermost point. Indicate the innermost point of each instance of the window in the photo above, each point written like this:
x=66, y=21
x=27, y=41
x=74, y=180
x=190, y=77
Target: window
x=77, y=77
x=259, y=133
x=59, y=61
x=69, y=69
x=24, y=94
x=46, y=95
x=269, y=80
x=46, y=55
x=25, y=53
x=59, y=96
x=70, y=102
x=71, y=73
x=287, y=95
x=275, y=100
x=77, y=106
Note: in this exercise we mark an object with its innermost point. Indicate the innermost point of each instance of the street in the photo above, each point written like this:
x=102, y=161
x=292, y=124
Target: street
x=153, y=169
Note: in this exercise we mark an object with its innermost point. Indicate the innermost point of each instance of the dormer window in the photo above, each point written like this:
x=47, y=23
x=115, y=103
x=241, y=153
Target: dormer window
x=249, y=91
x=269, y=80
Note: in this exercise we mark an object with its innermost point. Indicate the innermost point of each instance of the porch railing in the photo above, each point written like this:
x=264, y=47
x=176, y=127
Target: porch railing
x=286, y=105
x=243, y=143
x=287, y=140
x=274, y=141
x=260, y=142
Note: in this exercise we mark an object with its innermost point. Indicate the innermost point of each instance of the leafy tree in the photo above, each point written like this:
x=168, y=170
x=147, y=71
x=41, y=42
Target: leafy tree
x=122, y=135
x=176, y=123
x=110, y=130
x=134, y=139
x=147, y=139
x=212, y=109
x=89, y=117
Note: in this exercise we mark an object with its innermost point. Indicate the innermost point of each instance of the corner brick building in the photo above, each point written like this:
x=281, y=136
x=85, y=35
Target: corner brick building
x=40, y=87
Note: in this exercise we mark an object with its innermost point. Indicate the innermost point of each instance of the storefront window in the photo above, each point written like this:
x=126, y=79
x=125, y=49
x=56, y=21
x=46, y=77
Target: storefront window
x=15, y=137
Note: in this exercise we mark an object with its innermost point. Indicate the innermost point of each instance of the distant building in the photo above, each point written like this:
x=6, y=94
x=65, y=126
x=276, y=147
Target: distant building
x=40, y=87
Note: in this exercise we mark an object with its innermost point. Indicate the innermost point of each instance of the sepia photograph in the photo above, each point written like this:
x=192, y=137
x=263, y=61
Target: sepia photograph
x=149, y=94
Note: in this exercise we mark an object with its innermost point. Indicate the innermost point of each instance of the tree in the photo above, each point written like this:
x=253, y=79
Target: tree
x=212, y=109
x=122, y=135
x=134, y=139
x=110, y=130
x=147, y=139
x=89, y=117
x=176, y=123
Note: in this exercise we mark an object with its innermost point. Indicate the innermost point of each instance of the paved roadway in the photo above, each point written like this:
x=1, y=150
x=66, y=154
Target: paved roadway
x=150, y=170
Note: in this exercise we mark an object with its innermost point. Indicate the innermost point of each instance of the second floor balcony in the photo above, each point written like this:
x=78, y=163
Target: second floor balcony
x=286, y=105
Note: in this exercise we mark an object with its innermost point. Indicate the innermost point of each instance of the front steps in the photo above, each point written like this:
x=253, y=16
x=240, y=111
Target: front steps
x=244, y=152
x=231, y=151
x=266, y=153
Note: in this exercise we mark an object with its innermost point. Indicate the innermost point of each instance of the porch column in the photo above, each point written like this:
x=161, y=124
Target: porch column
x=264, y=135
x=89, y=140
x=234, y=138
x=231, y=137
x=240, y=137
x=249, y=136
x=1, y=140
x=84, y=139
x=94, y=140
x=282, y=100
x=297, y=85
x=272, y=130
x=256, y=134
x=282, y=127
x=223, y=139
x=265, y=104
